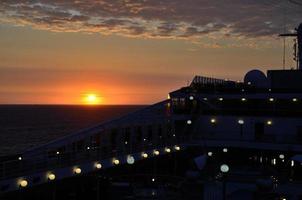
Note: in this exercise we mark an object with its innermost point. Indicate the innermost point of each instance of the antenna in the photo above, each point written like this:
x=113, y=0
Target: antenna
x=297, y=45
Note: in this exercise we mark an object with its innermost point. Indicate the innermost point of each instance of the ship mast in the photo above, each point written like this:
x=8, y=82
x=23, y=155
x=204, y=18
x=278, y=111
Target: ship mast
x=297, y=45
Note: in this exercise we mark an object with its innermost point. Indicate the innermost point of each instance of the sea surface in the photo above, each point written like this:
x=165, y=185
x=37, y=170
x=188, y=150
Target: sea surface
x=25, y=126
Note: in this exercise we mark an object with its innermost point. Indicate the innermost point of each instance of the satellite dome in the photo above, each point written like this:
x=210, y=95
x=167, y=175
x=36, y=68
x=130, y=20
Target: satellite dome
x=256, y=78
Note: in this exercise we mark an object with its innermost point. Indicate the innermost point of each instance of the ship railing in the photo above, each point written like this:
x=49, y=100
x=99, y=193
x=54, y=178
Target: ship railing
x=39, y=163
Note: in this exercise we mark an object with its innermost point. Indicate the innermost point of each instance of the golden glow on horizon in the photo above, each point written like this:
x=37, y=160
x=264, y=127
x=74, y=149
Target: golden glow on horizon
x=92, y=99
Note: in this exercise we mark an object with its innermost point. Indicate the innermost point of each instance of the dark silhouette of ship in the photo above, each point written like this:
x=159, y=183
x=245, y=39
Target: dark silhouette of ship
x=226, y=138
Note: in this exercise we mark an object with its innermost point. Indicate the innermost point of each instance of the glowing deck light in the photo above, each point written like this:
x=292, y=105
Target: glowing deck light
x=292, y=163
x=23, y=183
x=126, y=142
x=224, y=168
x=116, y=161
x=225, y=150
x=243, y=99
x=189, y=122
x=57, y=152
x=88, y=148
x=295, y=100
x=191, y=98
x=220, y=99
x=145, y=139
x=77, y=170
x=174, y=135
x=281, y=156
x=177, y=148
x=98, y=165
x=144, y=155
x=153, y=179
x=51, y=176
x=19, y=158
x=130, y=160
x=240, y=121
x=271, y=99
x=210, y=153
x=205, y=98
x=269, y=122
x=260, y=159
x=249, y=83
x=274, y=161
x=213, y=121
x=168, y=150
x=156, y=152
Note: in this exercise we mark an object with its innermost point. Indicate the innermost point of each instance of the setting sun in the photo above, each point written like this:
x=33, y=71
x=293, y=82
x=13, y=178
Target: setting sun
x=92, y=99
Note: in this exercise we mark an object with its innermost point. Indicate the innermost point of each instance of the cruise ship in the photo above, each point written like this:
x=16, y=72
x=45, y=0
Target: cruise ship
x=213, y=139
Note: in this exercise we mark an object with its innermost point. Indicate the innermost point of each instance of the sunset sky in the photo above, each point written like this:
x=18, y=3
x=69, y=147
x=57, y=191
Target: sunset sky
x=134, y=51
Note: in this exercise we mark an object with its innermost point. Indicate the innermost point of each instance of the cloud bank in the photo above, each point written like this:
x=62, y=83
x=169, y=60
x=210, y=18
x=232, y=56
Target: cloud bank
x=177, y=19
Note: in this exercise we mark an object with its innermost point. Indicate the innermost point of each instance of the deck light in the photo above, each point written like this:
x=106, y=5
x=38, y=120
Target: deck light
x=130, y=160
x=213, y=120
x=269, y=122
x=168, y=150
x=153, y=179
x=205, y=98
x=240, y=121
x=210, y=153
x=225, y=150
x=224, y=168
x=249, y=83
x=144, y=155
x=77, y=170
x=57, y=152
x=116, y=161
x=174, y=135
x=220, y=99
x=295, y=99
x=23, y=183
x=271, y=99
x=145, y=139
x=51, y=176
x=126, y=142
x=243, y=99
x=98, y=165
x=88, y=148
x=292, y=163
x=156, y=152
x=189, y=122
x=274, y=161
x=281, y=156
x=19, y=158
x=177, y=148
x=191, y=98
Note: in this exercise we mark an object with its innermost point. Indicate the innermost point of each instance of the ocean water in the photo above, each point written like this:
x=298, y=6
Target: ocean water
x=25, y=126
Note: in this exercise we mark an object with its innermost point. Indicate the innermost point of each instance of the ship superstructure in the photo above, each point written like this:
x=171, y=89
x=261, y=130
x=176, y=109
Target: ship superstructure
x=254, y=126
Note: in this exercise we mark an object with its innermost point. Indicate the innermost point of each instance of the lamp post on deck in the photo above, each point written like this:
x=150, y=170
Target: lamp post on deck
x=224, y=168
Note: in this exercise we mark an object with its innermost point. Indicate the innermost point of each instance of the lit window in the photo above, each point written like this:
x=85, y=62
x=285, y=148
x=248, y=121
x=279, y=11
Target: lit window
x=281, y=156
x=241, y=121
x=213, y=120
x=269, y=122
x=210, y=153
x=98, y=165
x=23, y=183
x=205, y=98
x=225, y=150
x=271, y=99
x=116, y=161
x=295, y=99
x=130, y=160
x=191, y=98
x=156, y=152
x=168, y=150
x=189, y=122
x=243, y=99
x=177, y=148
x=220, y=99
x=51, y=177
x=77, y=170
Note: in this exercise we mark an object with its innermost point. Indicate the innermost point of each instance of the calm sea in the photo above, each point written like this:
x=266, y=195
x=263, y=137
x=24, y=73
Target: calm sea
x=24, y=126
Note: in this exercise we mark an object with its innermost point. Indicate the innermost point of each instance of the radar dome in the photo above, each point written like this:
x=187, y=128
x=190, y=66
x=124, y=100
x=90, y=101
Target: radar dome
x=256, y=78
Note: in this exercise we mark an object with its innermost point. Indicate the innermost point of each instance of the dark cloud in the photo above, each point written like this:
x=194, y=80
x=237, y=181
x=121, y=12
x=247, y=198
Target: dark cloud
x=155, y=18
